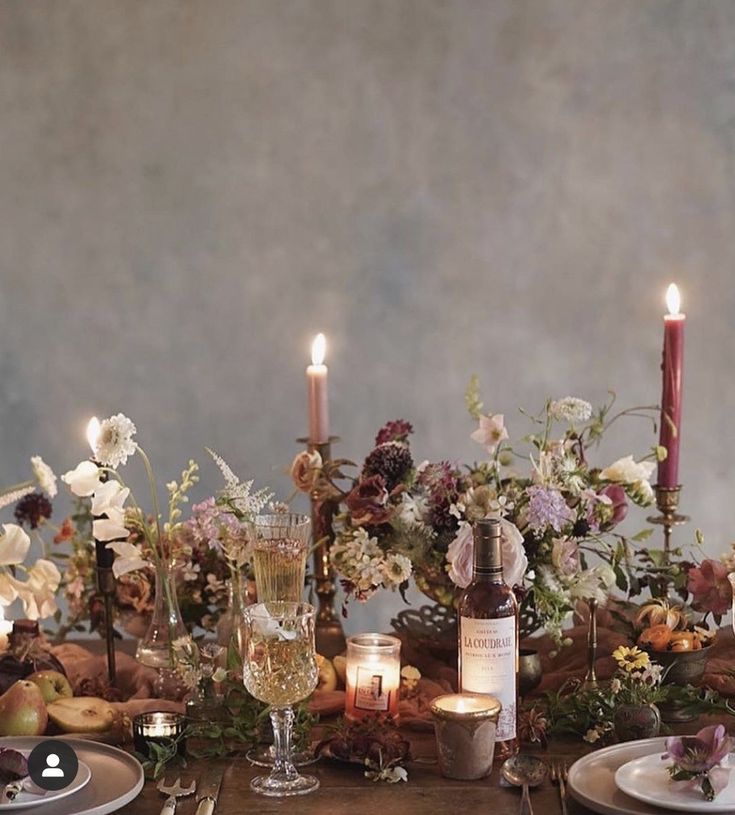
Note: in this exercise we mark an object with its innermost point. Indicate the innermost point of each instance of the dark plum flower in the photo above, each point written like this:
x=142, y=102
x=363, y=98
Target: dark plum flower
x=368, y=501
x=398, y=430
x=391, y=460
x=32, y=510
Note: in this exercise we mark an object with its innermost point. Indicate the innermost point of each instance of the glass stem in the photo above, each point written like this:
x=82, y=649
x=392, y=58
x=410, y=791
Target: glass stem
x=282, y=720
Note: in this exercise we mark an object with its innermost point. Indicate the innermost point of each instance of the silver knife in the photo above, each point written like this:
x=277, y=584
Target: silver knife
x=208, y=791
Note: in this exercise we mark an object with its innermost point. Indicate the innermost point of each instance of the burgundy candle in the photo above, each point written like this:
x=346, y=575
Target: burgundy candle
x=672, y=365
x=316, y=379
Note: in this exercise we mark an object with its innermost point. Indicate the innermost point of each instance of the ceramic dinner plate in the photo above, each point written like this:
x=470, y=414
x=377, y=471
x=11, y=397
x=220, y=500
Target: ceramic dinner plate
x=647, y=779
x=116, y=778
x=592, y=778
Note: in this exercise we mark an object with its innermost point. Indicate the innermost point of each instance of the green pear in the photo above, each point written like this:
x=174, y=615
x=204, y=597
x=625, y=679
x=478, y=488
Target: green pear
x=22, y=710
x=52, y=684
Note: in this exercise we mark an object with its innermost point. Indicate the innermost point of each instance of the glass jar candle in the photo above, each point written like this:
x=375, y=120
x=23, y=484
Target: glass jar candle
x=373, y=675
x=465, y=725
x=159, y=727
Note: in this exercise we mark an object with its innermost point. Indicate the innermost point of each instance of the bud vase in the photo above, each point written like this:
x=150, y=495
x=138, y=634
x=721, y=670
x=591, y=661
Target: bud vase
x=155, y=649
x=231, y=625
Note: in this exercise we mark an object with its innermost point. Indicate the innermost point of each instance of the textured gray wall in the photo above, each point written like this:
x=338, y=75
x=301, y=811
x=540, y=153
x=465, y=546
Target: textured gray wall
x=190, y=189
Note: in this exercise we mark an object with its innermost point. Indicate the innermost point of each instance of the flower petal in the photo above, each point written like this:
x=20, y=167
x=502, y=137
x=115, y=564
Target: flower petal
x=14, y=545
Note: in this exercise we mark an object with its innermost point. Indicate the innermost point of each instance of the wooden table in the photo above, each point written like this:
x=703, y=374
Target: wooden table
x=345, y=790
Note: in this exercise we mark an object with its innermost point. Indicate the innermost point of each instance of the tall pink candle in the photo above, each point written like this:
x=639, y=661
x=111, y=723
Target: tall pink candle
x=672, y=366
x=316, y=380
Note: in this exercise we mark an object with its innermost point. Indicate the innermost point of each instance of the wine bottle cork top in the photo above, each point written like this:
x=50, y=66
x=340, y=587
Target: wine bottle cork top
x=488, y=554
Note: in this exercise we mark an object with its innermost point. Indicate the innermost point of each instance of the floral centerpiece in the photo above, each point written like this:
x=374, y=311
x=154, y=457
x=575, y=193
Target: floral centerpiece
x=558, y=510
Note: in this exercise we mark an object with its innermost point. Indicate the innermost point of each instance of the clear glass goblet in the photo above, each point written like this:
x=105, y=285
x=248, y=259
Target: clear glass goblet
x=280, y=669
x=731, y=578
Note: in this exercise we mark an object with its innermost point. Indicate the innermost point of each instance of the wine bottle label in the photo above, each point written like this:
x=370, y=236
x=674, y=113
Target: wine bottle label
x=369, y=691
x=488, y=663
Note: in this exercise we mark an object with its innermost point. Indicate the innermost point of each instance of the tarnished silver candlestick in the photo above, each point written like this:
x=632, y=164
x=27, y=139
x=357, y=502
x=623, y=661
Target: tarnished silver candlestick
x=330, y=638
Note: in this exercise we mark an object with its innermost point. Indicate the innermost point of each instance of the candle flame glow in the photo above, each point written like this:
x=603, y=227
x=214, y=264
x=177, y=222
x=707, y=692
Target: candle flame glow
x=318, y=348
x=93, y=432
x=673, y=299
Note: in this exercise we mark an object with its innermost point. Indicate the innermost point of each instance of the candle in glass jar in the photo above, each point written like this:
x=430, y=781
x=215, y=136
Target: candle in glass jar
x=373, y=675
x=672, y=366
x=464, y=726
x=316, y=379
x=158, y=727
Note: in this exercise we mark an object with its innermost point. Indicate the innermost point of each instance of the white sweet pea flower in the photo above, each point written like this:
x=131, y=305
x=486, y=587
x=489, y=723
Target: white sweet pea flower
x=628, y=471
x=8, y=594
x=106, y=529
x=38, y=593
x=14, y=545
x=109, y=499
x=129, y=558
x=44, y=475
x=84, y=480
x=491, y=432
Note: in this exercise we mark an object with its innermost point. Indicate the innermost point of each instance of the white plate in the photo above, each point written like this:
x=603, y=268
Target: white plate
x=592, y=778
x=647, y=779
x=116, y=778
x=32, y=796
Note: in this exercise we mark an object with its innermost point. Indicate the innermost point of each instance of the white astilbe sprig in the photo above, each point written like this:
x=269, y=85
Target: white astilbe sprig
x=237, y=494
x=15, y=495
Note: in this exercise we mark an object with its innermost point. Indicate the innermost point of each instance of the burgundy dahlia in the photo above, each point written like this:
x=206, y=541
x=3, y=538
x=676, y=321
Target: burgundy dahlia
x=368, y=501
x=391, y=460
x=32, y=510
x=398, y=430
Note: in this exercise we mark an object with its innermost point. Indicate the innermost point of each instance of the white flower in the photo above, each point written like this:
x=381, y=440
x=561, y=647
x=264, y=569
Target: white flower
x=592, y=735
x=129, y=558
x=616, y=685
x=593, y=584
x=238, y=494
x=390, y=774
x=38, y=593
x=627, y=471
x=190, y=571
x=106, y=529
x=570, y=409
x=45, y=476
x=84, y=480
x=115, y=441
x=396, y=569
x=652, y=674
x=412, y=509
x=491, y=432
x=109, y=499
x=14, y=545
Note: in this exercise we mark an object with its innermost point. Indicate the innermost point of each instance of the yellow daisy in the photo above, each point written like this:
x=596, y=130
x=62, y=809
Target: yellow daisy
x=631, y=659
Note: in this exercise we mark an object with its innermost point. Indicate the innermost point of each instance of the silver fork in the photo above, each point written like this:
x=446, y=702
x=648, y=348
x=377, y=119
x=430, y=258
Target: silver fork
x=559, y=774
x=174, y=791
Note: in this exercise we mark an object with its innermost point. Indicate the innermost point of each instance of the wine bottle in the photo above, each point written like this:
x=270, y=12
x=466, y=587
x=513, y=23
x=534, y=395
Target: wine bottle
x=488, y=634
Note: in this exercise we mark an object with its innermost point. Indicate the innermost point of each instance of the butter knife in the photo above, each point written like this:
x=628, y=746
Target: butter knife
x=208, y=791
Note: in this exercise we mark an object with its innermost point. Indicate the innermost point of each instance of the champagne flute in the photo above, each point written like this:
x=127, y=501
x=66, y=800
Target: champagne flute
x=280, y=669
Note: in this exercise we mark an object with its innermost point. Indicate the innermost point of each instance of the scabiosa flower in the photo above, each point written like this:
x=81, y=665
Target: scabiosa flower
x=115, y=443
x=392, y=460
x=32, y=510
x=44, y=475
x=398, y=430
x=570, y=409
x=547, y=507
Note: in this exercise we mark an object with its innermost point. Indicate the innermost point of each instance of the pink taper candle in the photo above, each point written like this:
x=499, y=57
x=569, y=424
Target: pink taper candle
x=316, y=379
x=672, y=365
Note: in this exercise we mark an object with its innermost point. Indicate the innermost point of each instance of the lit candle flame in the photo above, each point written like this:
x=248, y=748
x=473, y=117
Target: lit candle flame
x=673, y=299
x=93, y=432
x=318, y=347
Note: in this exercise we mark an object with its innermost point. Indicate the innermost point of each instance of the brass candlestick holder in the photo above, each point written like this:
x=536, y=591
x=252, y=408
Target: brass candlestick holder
x=667, y=503
x=590, y=679
x=330, y=638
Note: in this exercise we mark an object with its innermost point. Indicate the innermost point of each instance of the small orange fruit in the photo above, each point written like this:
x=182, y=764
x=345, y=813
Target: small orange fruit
x=682, y=641
x=656, y=638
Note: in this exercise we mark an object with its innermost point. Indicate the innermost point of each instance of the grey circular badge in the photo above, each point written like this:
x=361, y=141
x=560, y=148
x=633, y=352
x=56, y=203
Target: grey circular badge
x=53, y=765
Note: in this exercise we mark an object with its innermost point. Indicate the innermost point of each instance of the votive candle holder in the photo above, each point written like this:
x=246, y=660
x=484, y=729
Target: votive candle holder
x=373, y=675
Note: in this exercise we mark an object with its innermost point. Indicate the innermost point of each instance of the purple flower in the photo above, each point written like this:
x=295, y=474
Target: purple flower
x=547, y=507
x=697, y=758
x=209, y=522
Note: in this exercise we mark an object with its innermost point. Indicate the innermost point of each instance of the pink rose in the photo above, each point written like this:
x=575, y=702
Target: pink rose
x=710, y=588
x=368, y=501
x=460, y=555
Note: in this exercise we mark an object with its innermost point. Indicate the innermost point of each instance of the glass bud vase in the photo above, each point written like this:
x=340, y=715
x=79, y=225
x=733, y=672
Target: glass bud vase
x=231, y=625
x=155, y=649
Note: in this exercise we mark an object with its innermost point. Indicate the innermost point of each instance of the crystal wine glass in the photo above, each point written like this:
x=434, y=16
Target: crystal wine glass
x=731, y=578
x=280, y=669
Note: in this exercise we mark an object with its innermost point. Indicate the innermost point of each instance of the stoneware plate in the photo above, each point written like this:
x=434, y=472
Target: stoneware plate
x=647, y=779
x=592, y=778
x=116, y=779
